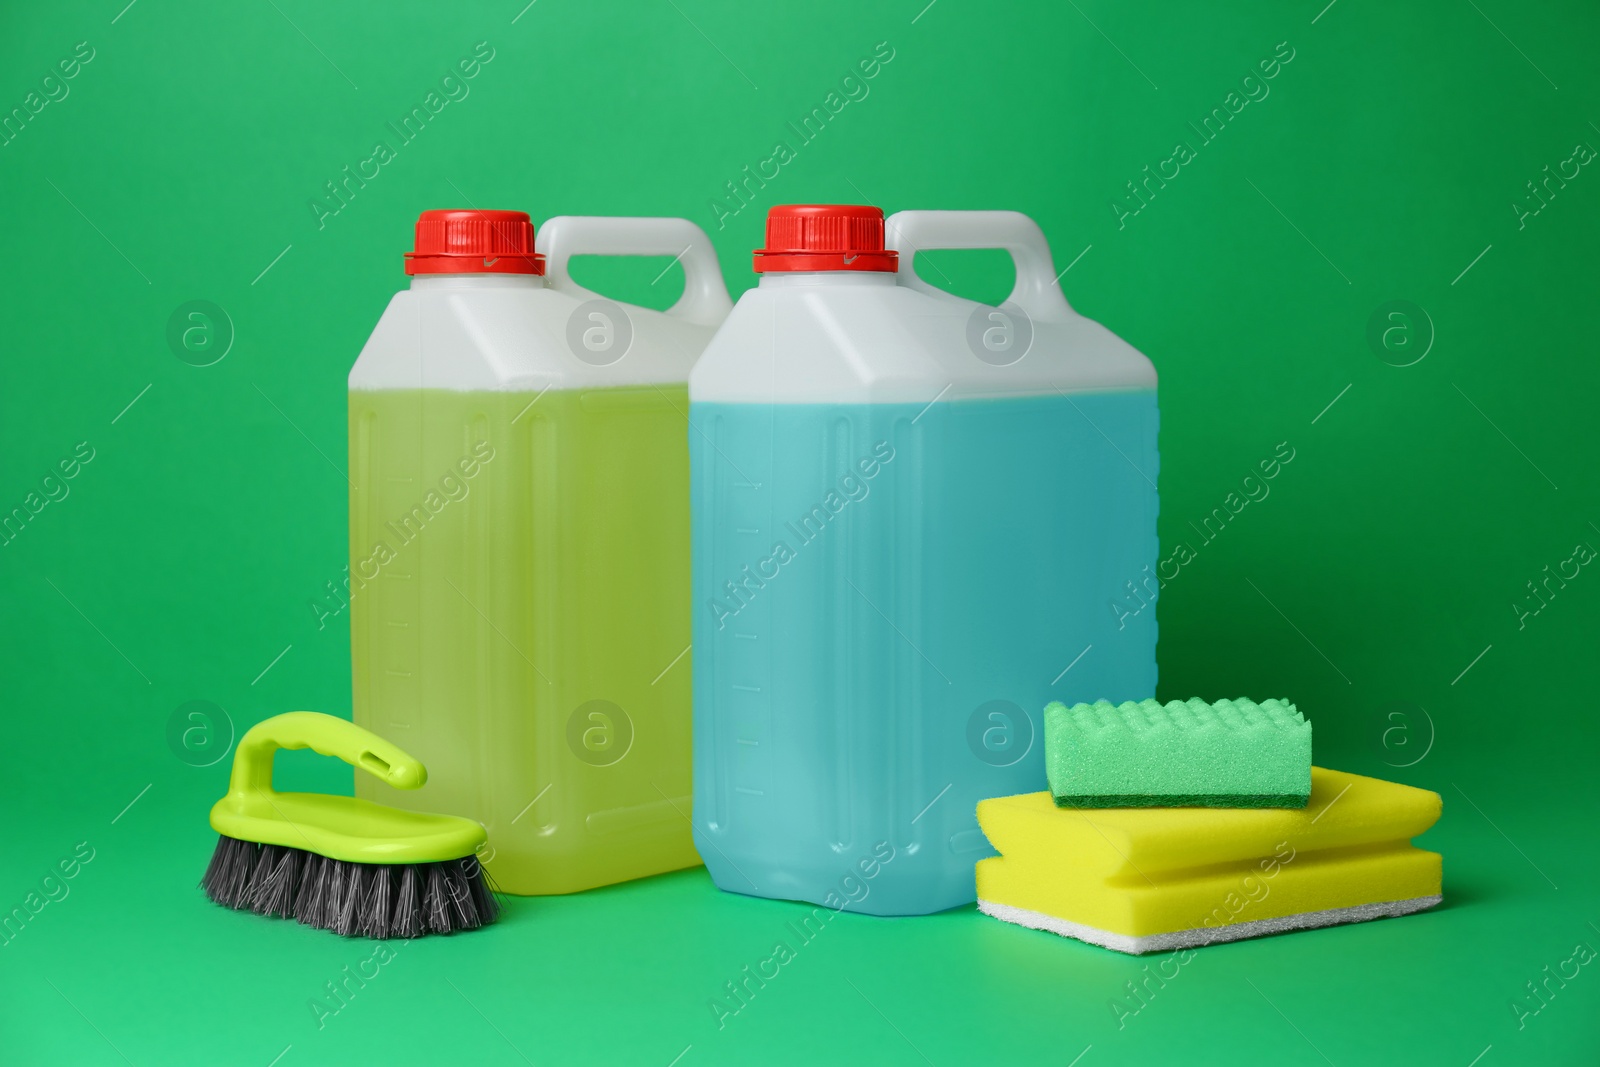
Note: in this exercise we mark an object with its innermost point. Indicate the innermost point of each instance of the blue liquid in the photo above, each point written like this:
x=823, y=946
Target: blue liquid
x=907, y=587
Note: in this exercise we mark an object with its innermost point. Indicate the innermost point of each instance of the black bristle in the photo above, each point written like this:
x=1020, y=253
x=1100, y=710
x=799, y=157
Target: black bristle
x=455, y=889
x=308, y=900
x=435, y=909
x=484, y=905
x=227, y=878
x=334, y=881
x=458, y=886
x=275, y=881
x=377, y=900
x=378, y=904
x=407, y=919
x=344, y=919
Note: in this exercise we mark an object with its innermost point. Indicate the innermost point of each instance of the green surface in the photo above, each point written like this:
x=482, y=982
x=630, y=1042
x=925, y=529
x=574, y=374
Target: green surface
x=1384, y=574
x=1226, y=754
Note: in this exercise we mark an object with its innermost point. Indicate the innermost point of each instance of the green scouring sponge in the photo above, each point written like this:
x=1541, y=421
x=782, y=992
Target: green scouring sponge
x=1231, y=754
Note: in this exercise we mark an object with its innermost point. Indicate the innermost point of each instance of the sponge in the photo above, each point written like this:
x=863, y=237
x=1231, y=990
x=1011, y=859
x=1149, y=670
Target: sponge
x=1157, y=879
x=1231, y=754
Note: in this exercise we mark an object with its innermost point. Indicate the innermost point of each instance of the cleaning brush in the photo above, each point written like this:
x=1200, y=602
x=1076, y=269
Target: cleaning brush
x=341, y=863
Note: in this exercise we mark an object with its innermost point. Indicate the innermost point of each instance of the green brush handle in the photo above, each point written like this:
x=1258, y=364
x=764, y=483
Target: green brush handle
x=343, y=828
x=324, y=734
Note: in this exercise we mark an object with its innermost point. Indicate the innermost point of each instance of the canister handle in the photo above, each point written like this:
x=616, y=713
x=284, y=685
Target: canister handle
x=1036, y=291
x=705, y=295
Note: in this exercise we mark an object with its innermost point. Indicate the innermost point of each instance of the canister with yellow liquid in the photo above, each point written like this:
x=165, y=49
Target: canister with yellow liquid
x=519, y=541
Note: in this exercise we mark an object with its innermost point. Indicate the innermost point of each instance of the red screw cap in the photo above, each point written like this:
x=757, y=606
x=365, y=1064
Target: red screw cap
x=474, y=242
x=825, y=237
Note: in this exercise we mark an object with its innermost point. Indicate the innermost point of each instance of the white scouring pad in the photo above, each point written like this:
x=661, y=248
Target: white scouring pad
x=1206, y=935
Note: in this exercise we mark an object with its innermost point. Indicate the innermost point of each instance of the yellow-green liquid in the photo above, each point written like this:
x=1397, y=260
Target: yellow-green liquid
x=520, y=620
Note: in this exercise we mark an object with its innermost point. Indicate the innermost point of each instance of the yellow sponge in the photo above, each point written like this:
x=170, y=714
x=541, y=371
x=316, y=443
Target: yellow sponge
x=1155, y=879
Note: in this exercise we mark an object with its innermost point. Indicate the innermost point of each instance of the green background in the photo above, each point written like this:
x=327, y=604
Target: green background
x=1375, y=586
